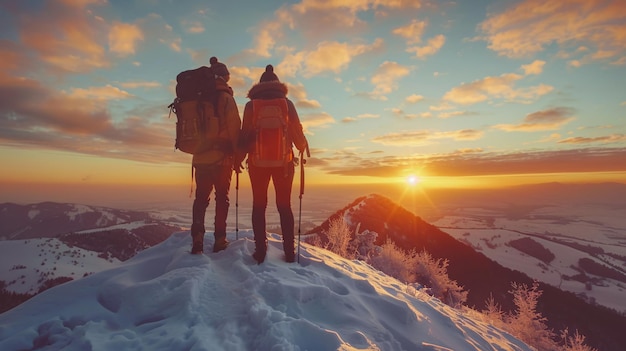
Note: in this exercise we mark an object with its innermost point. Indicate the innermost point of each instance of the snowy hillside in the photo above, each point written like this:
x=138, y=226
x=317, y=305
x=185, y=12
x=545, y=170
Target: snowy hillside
x=166, y=299
x=54, y=243
x=581, y=249
x=28, y=264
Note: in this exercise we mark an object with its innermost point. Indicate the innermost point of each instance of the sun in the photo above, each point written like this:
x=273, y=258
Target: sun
x=412, y=179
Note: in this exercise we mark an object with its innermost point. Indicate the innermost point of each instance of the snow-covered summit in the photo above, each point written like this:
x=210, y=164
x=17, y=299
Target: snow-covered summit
x=166, y=299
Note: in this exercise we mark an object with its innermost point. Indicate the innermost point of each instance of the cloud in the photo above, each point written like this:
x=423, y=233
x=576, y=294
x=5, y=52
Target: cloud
x=498, y=87
x=613, y=138
x=193, y=27
x=425, y=137
x=80, y=122
x=413, y=99
x=412, y=32
x=332, y=56
x=361, y=116
x=529, y=27
x=550, y=119
x=64, y=35
x=299, y=94
x=534, y=68
x=475, y=162
x=316, y=120
x=316, y=19
x=386, y=77
x=455, y=114
x=123, y=38
x=432, y=47
x=141, y=84
x=266, y=38
x=107, y=92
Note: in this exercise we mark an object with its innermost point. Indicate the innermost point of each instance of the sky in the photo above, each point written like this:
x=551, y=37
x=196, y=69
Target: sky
x=166, y=299
x=455, y=93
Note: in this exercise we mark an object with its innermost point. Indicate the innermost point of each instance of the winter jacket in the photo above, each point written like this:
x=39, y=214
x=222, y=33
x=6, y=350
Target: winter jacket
x=229, y=132
x=270, y=90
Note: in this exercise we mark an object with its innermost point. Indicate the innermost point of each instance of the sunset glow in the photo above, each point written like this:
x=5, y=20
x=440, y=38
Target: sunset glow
x=413, y=180
x=466, y=95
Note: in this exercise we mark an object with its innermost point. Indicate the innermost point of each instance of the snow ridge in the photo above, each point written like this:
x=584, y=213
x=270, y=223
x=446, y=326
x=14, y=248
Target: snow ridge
x=166, y=299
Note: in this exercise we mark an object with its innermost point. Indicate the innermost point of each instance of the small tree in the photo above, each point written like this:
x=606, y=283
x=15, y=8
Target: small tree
x=527, y=323
x=493, y=312
x=574, y=342
x=433, y=273
x=394, y=262
x=363, y=245
x=339, y=237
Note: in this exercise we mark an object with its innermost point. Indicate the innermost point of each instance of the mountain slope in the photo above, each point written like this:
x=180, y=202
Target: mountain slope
x=50, y=219
x=166, y=299
x=481, y=276
x=82, y=240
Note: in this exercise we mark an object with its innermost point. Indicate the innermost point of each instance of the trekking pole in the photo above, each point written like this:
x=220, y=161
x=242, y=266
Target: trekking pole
x=237, y=206
x=302, y=162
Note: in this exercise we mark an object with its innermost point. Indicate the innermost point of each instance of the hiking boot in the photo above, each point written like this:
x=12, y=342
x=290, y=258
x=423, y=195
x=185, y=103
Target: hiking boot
x=220, y=244
x=259, y=256
x=198, y=245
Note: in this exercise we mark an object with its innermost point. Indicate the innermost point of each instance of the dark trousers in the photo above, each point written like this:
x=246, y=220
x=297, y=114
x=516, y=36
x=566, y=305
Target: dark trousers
x=282, y=178
x=208, y=178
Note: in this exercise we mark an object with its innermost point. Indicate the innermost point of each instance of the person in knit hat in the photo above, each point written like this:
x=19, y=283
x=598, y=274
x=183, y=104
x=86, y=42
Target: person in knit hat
x=220, y=69
x=268, y=75
x=274, y=93
x=213, y=167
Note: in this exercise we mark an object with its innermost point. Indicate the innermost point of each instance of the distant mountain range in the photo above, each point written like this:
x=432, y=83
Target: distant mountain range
x=48, y=243
x=481, y=276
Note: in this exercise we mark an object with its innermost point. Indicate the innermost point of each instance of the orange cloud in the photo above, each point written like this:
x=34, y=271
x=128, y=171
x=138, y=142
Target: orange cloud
x=77, y=122
x=411, y=32
x=613, y=138
x=535, y=68
x=107, y=92
x=334, y=56
x=542, y=120
x=432, y=47
x=425, y=137
x=316, y=120
x=500, y=87
x=315, y=19
x=414, y=98
x=299, y=94
x=65, y=35
x=475, y=162
x=386, y=77
x=530, y=26
x=123, y=38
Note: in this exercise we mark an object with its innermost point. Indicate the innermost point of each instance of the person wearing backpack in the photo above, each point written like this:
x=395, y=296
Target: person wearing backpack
x=270, y=127
x=213, y=167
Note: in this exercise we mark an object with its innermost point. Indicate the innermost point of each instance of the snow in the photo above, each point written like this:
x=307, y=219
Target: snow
x=26, y=264
x=167, y=299
x=33, y=213
x=489, y=230
x=127, y=226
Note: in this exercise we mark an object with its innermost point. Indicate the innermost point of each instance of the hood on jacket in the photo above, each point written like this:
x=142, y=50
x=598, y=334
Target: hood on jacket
x=268, y=90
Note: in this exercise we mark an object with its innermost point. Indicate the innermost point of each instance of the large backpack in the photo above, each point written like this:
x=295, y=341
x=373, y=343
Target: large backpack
x=272, y=145
x=198, y=123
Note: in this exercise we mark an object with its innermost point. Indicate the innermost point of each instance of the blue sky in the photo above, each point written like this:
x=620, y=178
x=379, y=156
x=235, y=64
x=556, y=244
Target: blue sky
x=449, y=91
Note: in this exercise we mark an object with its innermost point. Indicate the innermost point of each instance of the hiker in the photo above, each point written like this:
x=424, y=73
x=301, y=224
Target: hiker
x=214, y=167
x=271, y=95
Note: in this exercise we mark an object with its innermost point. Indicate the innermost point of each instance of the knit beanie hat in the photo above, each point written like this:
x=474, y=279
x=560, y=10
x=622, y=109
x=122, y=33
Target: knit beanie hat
x=218, y=68
x=268, y=75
